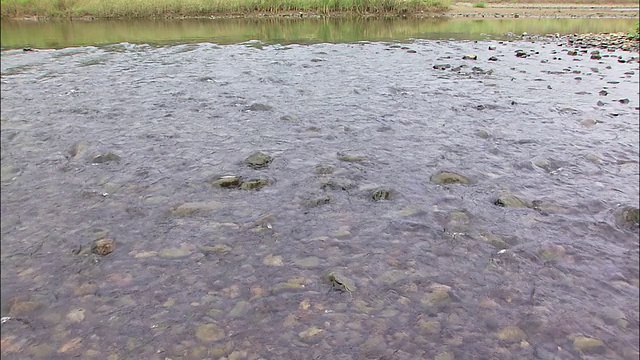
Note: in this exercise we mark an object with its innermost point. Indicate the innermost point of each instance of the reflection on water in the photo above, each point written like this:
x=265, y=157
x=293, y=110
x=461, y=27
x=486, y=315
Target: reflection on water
x=58, y=34
x=352, y=241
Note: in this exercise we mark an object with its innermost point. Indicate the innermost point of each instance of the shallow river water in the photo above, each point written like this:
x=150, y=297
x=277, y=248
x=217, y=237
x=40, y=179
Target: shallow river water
x=126, y=142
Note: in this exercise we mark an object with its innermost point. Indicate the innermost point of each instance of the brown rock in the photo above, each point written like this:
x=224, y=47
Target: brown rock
x=104, y=246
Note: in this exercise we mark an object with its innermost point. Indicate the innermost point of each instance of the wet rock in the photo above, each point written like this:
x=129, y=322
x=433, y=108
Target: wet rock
x=104, y=246
x=572, y=53
x=317, y=201
x=174, y=253
x=458, y=222
x=411, y=51
x=258, y=160
x=258, y=107
x=210, y=333
x=104, y=158
x=215, y=249
x=431, y=327
x=19, y=306
x=511, y=334
x=241, y=308
x=86, y=289
x=483, y=134
x=351, y=158
x=509, y=200
x=292, y=285
x=595, y=55
x=492, y=47
x=338, y=184
x=446, y=177
x=623, y=101
x=230, y=181
x=631, y=215
x=324, y=169
x=470, y=57
x=521, y=53
x=77, y=150
x=447, y=355
x=442, y=66
x=551, y=252
x=273, y=260
x=254, y=184
x=493, y=58
x=381, y=194
x=588, y=345
x=309, y=333
x=76, y=316
x=495, y=240
x=588, y=122
x=603, y=93
x=317, y=60
x=192, y=208
x=291, y=118
x=307, y=262
x=438, y=295
x=70, y=346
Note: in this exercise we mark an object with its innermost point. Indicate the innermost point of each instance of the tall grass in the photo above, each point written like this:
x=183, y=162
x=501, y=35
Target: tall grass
x=173, y=8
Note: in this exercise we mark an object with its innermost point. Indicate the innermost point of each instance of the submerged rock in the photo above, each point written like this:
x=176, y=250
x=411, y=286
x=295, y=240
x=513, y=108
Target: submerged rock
x=103, y=158
x=589, y=345
x=254, y=184
x=192, y=208
x=631, y=215
x=351, y=158
x=258, y=107
x=381, y=194
x=210, y=333
x=104, y=246
x=509, y=200
x=231, y=181
x=446, y=177
x=258, y=160
x=511, y=334
x=317, y=201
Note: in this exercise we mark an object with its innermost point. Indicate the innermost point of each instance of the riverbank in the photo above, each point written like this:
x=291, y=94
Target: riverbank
x=91, y=10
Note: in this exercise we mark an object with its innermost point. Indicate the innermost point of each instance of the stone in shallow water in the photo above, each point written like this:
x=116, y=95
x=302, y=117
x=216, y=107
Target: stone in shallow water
x=351, y=158
x=258, y=160
x=104, y=246
x=273, y=260
x=511, y=334
x=209, y=333
x=631, y=215
x=308, y=262
x=381, y=194
x=241, y=308
x=228, y=181
x=195, y=207
x=76, y=316
x=258, y=107
x=103, y=158
x=174, y=253
x=447, y=177
x=254, y=184
x=589, y=345
x=509, y=200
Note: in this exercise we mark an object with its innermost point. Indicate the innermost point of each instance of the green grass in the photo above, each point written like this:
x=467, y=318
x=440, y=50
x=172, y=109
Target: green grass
x=480, y=5
x=192, y=8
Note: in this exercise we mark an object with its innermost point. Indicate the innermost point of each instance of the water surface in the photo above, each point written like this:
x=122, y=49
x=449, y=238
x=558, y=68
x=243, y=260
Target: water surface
x=203, y=272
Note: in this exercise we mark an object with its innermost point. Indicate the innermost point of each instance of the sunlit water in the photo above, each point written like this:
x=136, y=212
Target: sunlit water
x=438, y=271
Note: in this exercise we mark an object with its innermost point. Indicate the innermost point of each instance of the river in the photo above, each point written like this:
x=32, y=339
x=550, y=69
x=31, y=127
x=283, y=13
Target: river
x=408, y=203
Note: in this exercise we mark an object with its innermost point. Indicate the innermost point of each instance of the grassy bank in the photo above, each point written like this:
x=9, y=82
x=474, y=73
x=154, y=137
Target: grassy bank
x=190, y=8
